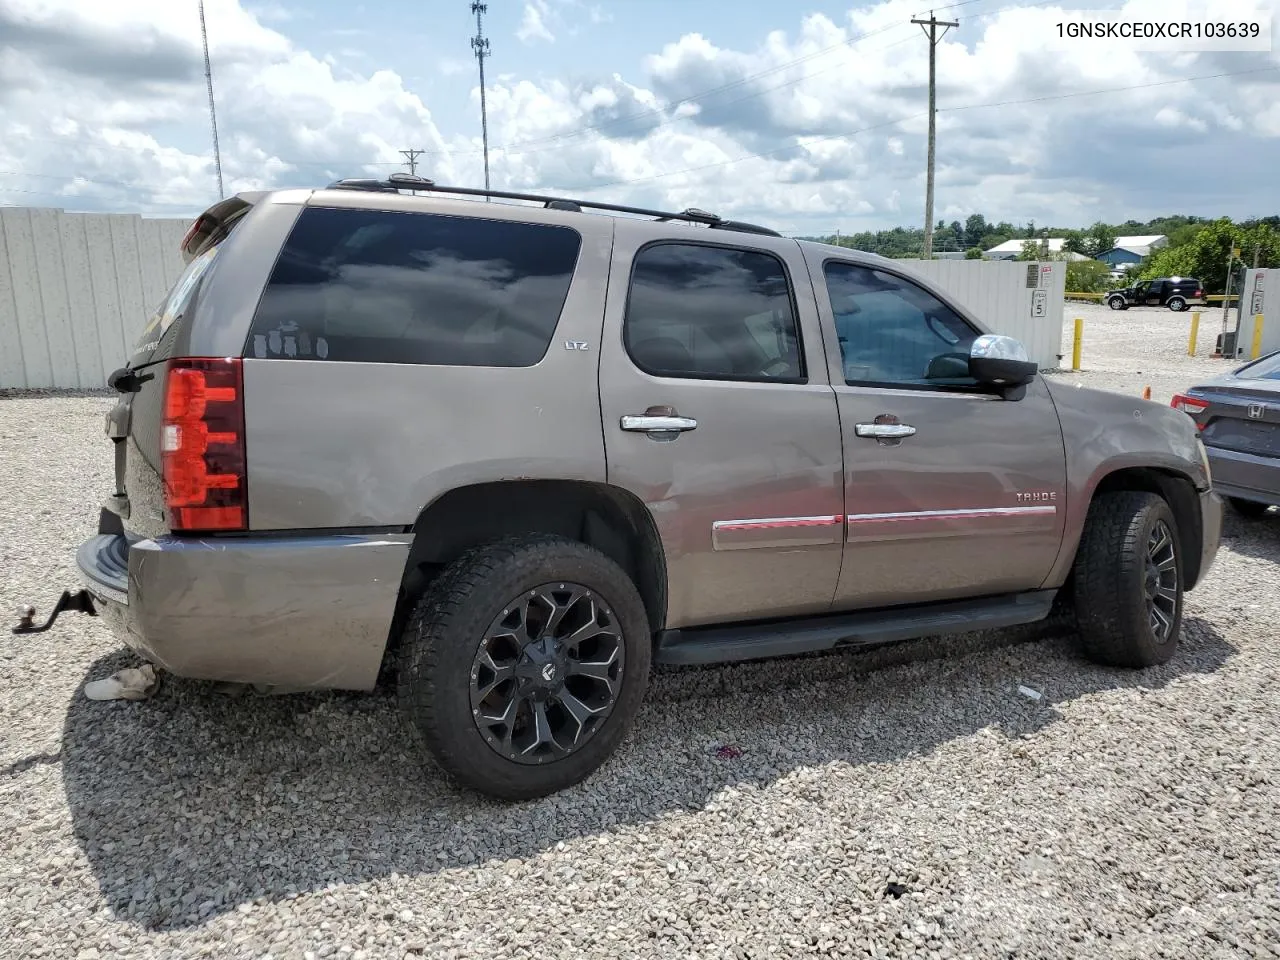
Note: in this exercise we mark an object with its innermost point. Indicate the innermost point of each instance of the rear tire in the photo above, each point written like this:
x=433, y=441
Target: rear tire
x=1177, y=304
x=1128, y=581
x=502, y=704
x=1249, y=509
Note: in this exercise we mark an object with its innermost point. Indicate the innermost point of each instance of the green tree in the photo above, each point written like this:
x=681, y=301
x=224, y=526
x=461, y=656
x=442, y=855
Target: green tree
x=975, y=229
x=1088, y=276
x=1098, y=239
x=1205, y=255
x=1031, y=250
x=973, y=253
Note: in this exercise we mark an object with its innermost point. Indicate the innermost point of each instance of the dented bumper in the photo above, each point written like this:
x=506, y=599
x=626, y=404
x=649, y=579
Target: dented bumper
x=293, y=611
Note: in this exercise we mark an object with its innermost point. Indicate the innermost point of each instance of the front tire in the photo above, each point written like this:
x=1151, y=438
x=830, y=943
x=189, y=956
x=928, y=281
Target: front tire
x=1128, y=581
x=1116, y=303
x=524, y=664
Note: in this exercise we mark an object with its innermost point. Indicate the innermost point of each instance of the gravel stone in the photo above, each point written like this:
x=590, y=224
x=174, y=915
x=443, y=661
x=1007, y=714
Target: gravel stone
x=899, y=802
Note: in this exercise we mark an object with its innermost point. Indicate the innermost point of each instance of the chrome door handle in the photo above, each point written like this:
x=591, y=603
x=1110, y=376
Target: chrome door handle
x=648, y=423
x=884, y=431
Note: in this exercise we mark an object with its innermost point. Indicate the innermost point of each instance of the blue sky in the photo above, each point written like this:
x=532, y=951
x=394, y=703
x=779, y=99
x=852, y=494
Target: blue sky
x=808, y=116
x=592, y=39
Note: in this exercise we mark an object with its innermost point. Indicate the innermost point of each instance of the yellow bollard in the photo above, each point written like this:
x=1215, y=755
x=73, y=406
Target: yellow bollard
x=1195, y=333
x=1255, y=351
x=1076, y=342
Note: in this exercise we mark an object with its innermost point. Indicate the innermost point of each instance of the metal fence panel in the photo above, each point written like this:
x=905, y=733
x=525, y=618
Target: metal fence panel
x=999, y=293
x=76, y=290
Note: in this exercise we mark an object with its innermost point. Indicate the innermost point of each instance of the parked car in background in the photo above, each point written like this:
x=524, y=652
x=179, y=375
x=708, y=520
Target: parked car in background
x=1176, y=293
x=519, y=451
x=1238, y=415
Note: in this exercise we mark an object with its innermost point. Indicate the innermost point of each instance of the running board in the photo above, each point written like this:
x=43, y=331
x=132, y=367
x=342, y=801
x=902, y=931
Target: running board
x=780, y=638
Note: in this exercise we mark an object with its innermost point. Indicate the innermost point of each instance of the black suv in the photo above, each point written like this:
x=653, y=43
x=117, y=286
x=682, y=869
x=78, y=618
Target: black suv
x=1176, y=293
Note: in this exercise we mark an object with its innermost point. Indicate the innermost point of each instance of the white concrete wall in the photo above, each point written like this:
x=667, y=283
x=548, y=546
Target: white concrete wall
x=996, y=291
x=76, y=290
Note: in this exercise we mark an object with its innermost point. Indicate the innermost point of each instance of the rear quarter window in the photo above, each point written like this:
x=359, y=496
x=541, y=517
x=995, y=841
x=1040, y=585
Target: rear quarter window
x=393, y=287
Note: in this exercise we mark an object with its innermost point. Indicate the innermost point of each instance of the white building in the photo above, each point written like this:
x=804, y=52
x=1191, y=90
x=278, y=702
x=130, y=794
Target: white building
x=1141, y=245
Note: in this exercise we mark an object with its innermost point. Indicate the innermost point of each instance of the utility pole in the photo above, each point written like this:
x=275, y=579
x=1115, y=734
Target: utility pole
x=411, y=158
x=481, y=47
x=213, y=117
x=930, y=28
x=1231, y=259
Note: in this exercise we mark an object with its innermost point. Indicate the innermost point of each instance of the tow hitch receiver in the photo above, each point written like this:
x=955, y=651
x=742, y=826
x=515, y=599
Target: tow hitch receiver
x=80, y=602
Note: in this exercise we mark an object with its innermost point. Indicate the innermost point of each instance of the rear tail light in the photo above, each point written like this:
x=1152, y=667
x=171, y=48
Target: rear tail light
x=202, y=445
x=1199, y=293
x=1189, y=405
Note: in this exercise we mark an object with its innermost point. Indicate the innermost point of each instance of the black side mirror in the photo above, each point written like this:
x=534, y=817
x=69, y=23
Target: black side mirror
x=997, y=361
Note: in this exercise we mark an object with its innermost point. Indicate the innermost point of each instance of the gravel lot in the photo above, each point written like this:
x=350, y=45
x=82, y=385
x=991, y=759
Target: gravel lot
x=898, y=803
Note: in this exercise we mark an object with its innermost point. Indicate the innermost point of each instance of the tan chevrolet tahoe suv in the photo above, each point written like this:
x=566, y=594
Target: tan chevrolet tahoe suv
x=522, y=450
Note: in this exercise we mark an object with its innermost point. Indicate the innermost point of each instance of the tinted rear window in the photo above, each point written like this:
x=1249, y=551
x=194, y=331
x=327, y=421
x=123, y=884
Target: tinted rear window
x=389, y=287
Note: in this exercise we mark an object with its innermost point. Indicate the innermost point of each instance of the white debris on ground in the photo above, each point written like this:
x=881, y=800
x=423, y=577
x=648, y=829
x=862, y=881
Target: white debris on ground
x=131, y=683
x=899, y=803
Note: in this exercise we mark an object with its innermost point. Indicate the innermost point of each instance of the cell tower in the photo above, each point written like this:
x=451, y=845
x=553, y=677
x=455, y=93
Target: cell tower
x=213, y=117
x=481, y=47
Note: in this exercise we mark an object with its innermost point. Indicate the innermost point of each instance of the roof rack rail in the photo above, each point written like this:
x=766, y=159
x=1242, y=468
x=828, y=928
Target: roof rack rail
x=396, y=182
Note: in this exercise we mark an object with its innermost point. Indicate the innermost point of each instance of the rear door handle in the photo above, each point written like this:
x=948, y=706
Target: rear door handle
x=884, y=431
x=649, y=423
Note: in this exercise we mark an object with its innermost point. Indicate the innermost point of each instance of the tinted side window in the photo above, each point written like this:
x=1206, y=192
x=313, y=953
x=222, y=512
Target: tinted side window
x=712, y=313
x=387, y=287
x=894, y=332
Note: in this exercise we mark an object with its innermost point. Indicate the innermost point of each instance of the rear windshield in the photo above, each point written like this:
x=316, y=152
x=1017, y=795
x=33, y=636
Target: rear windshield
x=392, y=287
x=176, y=302
x=1268, y=368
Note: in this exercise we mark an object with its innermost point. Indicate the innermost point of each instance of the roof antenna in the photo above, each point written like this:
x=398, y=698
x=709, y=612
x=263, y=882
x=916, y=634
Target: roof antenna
x=213, y=117
x=481, y=46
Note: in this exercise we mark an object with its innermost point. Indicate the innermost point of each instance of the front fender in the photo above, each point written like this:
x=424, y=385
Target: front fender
x=1105, y=433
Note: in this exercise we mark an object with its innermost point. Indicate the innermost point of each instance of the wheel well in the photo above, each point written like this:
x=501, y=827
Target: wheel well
x=602, y=516
x=1180, y=493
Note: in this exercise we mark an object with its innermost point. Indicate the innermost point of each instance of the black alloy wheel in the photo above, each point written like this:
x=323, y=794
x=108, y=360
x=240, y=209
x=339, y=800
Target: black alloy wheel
x=547, y=673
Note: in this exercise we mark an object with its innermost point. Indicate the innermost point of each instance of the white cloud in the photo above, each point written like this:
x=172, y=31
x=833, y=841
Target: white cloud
x=272, y=12
x=819, y=123
x=533, y=26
